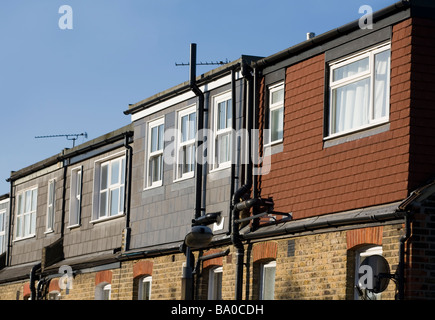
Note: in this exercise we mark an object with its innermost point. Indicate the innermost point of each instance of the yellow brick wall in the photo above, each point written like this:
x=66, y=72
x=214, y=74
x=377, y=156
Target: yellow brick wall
x=317, y=266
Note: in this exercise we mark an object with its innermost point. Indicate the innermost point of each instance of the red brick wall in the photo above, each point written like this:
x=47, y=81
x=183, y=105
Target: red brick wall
x=364, y=236
x=423, y=100
x=308, y=179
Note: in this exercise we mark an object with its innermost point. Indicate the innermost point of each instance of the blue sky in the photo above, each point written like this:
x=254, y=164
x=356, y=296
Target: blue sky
x=55, y=81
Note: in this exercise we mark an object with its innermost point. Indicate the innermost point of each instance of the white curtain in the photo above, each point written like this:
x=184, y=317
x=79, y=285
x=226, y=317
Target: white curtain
x=351, y=105
x=381, y=94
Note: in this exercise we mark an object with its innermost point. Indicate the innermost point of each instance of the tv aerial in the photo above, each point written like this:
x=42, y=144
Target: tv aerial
x=72, y=136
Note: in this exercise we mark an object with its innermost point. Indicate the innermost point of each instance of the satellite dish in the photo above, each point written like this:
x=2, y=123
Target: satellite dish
x=374, y=274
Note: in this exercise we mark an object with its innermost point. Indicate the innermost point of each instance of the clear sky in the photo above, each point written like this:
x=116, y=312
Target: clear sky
x=64, y=81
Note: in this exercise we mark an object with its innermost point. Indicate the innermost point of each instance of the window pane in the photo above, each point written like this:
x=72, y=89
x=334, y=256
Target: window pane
x=104, y=176
x=79, y=183
x=154, y=139
x=350, y=106
x=277, y=96
x=20, y=204
x=192, y=126
x=121, y=199
x=160, y=144
x=28, y=201
x=277, y=124
x=34, y=199
x=221, y=116
x=2, y=240
x=26, y=227
x=19, y=226
x=381, y=93
x=50, y=217
x=229, y=114
x=223, y=148
x=2, y=222
x=114, y=202
x=103, y=204
x=155, y=168
x=50, y=192
x=268, y=283
x=122, y=171
x=114, y=172
x=184, y=128
x=351, y=69
x=147, y=291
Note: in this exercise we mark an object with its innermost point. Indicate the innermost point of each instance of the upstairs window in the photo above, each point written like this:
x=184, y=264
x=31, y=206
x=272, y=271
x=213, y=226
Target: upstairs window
x=222, y=128
x=112, y=175
x=155, y=153
x=75, y=197
x=2, y=230
x=186, y=143
x=109, y=187
x=276, y=113
x=26, y=213
x=359, y=91
x=51, y=197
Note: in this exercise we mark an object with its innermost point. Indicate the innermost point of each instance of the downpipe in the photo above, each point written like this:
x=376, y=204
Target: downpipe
x=35, y=268
x=236, y=238
x=402, y=243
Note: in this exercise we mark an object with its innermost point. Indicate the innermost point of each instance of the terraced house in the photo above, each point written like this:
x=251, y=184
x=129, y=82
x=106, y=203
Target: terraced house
x=293, y=176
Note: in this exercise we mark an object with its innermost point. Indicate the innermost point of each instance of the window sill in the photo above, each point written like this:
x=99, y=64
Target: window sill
x=25, y=238
x=223, y=166
x=360, y=133
x=154, y=186
x=104, y=219
x=274, y=147
x=184, y=178
x=49, y=231
x=74, y=226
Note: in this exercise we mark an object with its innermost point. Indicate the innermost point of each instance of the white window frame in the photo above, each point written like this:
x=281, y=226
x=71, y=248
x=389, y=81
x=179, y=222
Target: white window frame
x=103, y=291
x=3, y=230
x=145, y=284
x=51, y=206
x=263, y=284
x=75, y=202
x=98, y=190
x=273, y=107
x=360, y=254
x=369, y=74
x=179, y=174
x=214, y=286
x=20, y=218
x=216, y=164
x=157, y=153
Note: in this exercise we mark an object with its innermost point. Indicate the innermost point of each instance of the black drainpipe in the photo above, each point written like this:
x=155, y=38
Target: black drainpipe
x=35, y=268
x=403, y=239
x=65, y=171
x=9, y=246
x=188, y=280
x=127, y=191
x=200, y=127
x=236, y=239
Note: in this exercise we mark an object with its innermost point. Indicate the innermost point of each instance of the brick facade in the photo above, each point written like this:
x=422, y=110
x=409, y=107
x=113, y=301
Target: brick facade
x=354, y=180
